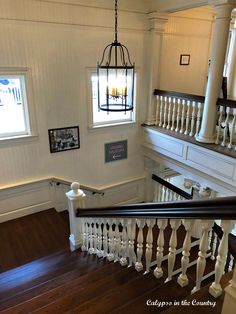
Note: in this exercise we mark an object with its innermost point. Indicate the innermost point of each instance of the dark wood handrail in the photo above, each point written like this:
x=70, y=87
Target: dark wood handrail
x=218, y=208
x=172, y=187
x=226, y=102
x=179, y=95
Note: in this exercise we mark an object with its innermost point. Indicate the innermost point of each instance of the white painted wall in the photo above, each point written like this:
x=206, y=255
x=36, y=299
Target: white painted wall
x=187, y=32
x=57, y=42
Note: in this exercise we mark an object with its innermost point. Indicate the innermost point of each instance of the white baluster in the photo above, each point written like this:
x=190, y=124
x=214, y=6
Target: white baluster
x=183, y=279
x=156, y=190
x=178, y=115
x=165, y=112
x=169, y=113
x=214, y=246
x=183, y=116
x=230, y=296
x=164, y=194
x=105, y=239
x=193, y=118
x=138, y=264
x=226, y=124
x=201, y=261
x=131, y=228
x=161, y=110
x=199, y=118
x=175, y=223
x=221, y=109
x=117, y=240
x=161, y=223
x=100, y=252
x=91, y=238
x=215, y=289
x=150, y=223
x=231, y=263
x=187, y=117
x=232, y=129
x=157, y=109
x=173, y=114
x=96, y=250
x=167, y=195
x=111, y=255
x=124, y=243
x=160, y=193
x=83, y=235
x=87, y=235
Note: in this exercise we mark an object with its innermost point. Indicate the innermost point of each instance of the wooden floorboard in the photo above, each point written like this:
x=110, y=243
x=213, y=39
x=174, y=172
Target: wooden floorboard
x=31, y=237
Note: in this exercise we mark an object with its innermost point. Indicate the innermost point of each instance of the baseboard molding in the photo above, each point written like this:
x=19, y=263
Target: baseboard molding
x=21, y=212
x=33, y=196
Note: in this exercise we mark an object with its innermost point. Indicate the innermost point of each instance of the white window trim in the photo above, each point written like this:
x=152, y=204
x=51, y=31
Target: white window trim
x=29, y=108
x=113, y=123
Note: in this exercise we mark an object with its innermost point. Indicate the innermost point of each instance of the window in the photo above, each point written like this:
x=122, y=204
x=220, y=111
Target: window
x=14, y=117
x=103, y=118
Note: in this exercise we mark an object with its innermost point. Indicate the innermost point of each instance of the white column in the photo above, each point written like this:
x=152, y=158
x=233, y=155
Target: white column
x=155, y=37
x=75, y=201
x=232, y=65
x=218, y=50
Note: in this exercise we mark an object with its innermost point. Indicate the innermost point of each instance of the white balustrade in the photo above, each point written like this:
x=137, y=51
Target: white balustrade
x=178, y=114
x=122, y=239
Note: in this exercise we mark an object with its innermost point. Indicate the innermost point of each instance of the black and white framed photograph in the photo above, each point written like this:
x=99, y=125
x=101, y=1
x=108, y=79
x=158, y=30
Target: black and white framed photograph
x=184, y=59
x=63, y=139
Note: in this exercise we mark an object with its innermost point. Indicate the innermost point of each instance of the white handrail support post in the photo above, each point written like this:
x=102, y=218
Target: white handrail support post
x=75, y=200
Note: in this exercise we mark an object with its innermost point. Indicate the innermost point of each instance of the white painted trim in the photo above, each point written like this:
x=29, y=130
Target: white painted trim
x=223, y=182
x=42, y=193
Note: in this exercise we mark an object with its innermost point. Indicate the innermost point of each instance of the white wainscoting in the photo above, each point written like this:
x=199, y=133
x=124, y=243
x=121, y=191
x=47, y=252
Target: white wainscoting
x=26, y=198
x=215, y=168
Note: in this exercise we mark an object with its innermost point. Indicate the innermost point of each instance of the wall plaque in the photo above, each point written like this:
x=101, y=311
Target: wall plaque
x=115, y=151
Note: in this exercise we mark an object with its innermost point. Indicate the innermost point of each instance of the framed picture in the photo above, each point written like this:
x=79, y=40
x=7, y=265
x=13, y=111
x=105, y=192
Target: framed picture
x=64, y=139
x=184, y=59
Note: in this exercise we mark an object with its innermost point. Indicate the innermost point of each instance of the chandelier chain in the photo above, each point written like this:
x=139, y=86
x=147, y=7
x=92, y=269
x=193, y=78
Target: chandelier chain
x=116, y=19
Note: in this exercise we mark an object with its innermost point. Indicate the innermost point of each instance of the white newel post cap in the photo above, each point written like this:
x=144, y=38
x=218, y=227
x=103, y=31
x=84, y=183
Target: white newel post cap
x=75, y=192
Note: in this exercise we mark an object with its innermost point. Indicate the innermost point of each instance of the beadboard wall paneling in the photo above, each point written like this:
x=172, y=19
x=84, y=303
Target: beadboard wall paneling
x=57, y=54
x=187, y=32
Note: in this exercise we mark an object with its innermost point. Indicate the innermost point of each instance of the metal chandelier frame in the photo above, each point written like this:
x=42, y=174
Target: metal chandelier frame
x=116, y=58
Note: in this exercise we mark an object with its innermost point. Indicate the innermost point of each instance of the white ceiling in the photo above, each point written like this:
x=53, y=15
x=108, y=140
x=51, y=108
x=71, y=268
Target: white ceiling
x=144, y=6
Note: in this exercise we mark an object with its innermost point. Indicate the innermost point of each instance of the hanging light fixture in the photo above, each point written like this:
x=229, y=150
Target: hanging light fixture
x=115, y=76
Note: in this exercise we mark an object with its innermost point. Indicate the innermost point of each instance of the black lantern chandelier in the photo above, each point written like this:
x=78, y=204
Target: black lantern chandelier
x=115, y=76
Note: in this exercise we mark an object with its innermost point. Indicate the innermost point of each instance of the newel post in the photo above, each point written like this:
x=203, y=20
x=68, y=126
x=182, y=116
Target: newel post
x=75, y=200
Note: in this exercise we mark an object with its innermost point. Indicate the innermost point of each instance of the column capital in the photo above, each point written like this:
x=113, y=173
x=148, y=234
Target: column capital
x=158, y=21
x=223, y=7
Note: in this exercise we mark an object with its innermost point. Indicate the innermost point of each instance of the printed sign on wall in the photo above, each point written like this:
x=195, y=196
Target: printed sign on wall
x=115, y=151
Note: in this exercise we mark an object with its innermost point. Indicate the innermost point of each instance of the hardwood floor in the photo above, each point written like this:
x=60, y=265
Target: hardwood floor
x=31, y=237
x=48, y=278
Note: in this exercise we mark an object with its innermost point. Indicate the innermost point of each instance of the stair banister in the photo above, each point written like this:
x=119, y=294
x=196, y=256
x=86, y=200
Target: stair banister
x=117, y=233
